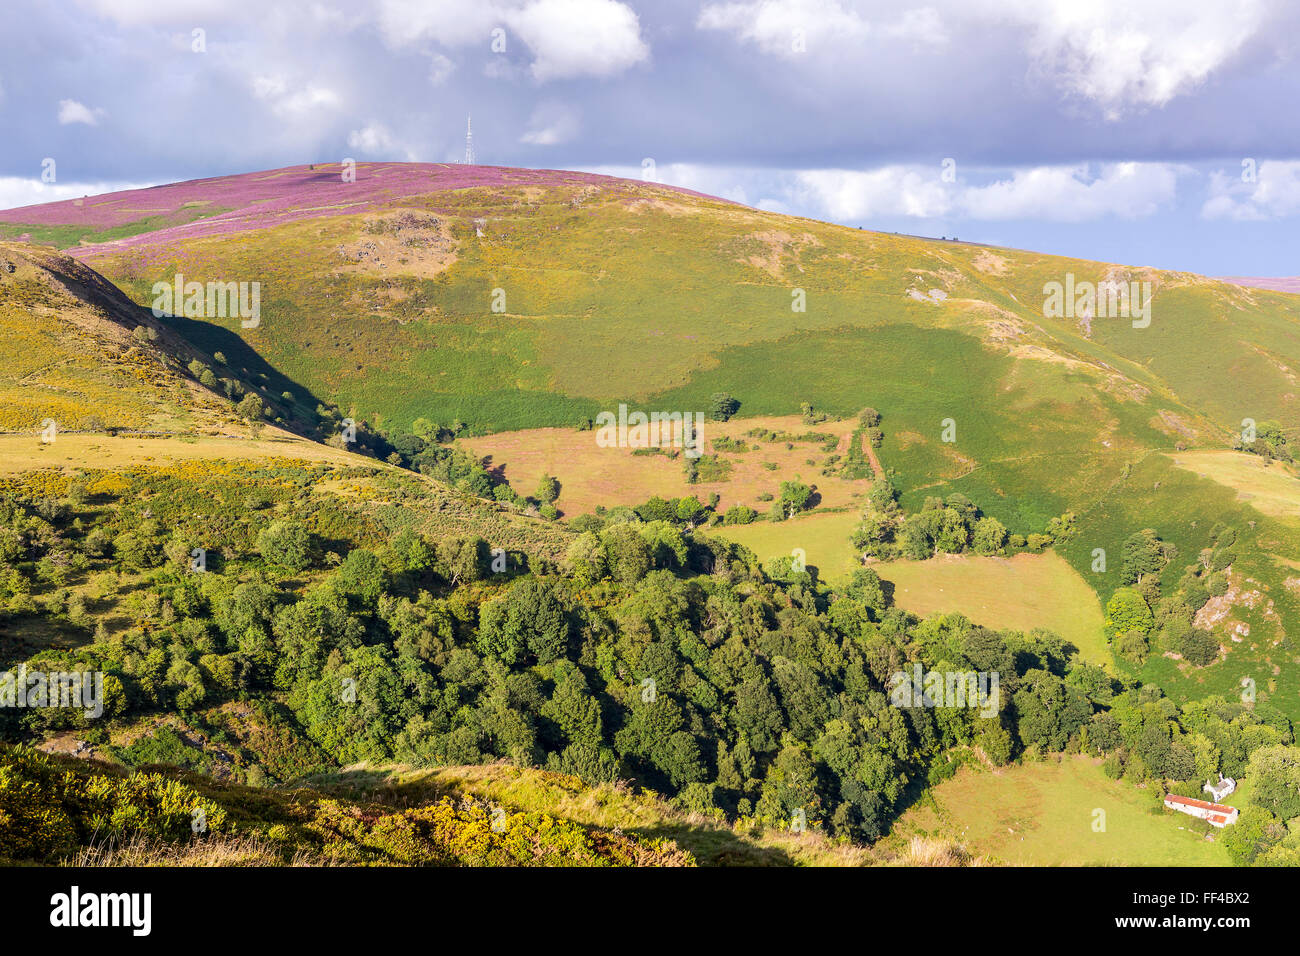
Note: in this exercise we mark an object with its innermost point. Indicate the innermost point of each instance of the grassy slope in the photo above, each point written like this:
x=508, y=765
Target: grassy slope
x=1042, y=814
x=71, y=356
x=341, y=824
x=628, y=291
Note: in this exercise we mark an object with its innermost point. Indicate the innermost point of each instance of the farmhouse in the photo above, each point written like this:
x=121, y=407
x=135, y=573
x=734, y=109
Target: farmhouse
x=1216, y=814
x=1218, y=791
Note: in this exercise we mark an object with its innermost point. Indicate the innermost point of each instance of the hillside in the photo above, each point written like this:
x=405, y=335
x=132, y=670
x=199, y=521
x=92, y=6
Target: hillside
x=379, y=296
x=514, y=305
x=59, y=810
x=84, y=355
x=920, y=468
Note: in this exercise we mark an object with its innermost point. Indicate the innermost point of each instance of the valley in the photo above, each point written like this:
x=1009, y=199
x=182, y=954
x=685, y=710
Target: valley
x=376, y=544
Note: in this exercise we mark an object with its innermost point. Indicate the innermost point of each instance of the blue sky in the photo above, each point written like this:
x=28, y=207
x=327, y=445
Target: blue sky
x=1149, y=132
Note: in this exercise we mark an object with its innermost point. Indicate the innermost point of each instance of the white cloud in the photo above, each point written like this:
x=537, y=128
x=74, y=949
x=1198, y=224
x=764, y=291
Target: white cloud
x=18, y=191
x=889, y=191
x=550, y=125
x=793, y=28
x=1044, y=194
x=581, y=37
x=1073, y=194
x=723, y=182
x=376, y=139
x=440, y=68
x=70, y=111
x=1121, y=55
x=567, y=38
x=287, y=101
x=1126, y=54
x=1274, y=194
x=142, y=12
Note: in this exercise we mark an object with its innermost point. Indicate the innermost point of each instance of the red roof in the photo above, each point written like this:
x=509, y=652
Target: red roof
x=1200, y=804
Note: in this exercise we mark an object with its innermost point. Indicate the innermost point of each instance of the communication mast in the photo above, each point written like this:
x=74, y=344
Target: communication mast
x=469, y=142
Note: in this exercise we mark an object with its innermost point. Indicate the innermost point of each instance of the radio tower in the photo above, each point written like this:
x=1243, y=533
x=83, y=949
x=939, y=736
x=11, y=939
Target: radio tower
x=469, y=142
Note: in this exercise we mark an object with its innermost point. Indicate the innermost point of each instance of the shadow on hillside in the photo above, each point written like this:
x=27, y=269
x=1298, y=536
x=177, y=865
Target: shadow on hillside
x=248, y=364
x=497, y=472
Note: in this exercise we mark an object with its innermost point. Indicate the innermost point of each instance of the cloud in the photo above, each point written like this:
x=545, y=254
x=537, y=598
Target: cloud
x=791, y=28
x=889, y=191
x=440, y=69
x=567, y=38
x=1133, y=54
x=1062, y=194
x=581, y=37
x=287, y=102
x=21, y=191
x=1073, y=194
x=376, y=139
x=70, y=111
x=1274, y=193
x=550, y=125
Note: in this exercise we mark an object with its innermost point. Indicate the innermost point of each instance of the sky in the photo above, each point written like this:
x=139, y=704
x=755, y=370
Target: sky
x=1146, y=132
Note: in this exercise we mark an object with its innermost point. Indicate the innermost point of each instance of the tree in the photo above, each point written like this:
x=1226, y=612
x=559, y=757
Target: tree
x=548, y=489
x=722, y=406
x=1199, y=647
x=989, y=537
x=1270, y=441
x=1142, y=555
x=1275, y=772
x=1048, y=711
x=251, y=407
x=462, y=560
x=627, y=552
x=286, y=543
x=795, y=497
x=1127, y=611
x=362, y=575
x=528, y=622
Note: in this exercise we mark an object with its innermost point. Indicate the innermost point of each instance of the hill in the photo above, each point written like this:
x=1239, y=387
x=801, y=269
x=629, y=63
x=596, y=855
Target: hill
x=409, y=609
x=508, y=299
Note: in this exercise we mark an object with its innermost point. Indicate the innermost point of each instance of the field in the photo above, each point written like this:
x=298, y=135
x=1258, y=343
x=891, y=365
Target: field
x=1041, y=814
x=1270, y=487
x=823, y=537
x=590, y=475
x=1021, y=592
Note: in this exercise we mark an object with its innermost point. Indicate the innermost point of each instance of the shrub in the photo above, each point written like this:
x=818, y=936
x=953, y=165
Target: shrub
x=286, y=543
